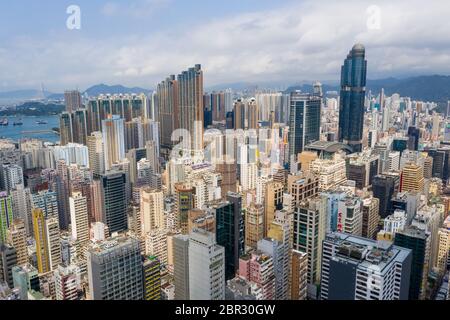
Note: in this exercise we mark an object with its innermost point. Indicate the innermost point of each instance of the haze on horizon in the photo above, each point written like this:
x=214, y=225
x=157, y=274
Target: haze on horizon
x=140, y=42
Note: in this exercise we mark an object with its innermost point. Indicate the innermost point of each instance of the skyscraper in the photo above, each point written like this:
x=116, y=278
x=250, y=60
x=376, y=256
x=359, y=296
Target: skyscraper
x=6, y=214
x=181, y=266
x=420, y=243
x=12, y=175
x=169, y=111
x=113, y=135
x=206, y=267
x=190, y=98
x=96, y=153
x=229, y=232
x=72, y=100
x=115, y=269
x=355, y=268
x=114, y=201
x=304, y=122
x=351, y=104
x=151, y=278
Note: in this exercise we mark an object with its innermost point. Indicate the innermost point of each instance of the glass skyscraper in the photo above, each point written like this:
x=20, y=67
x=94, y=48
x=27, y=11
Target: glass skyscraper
x=351, y=105
x=304, y=121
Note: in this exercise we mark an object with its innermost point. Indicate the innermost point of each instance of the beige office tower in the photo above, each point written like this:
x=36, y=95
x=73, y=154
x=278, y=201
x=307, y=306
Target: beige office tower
x=16, y=236
x=298, y=276
x=252, y=114
x=303, y=186
x=305, y=158
x=54, y=242
x=331, y=172
x=151, y=210
x=371, y=217
x=156, y=244
x=113, y=135
x=273, y=201
x=428, y=167
x=96, y=153
x=309, y=225
x=443, y=259
x=79, y=221
x=412, y=178
x=254, y=225
x=96, y=208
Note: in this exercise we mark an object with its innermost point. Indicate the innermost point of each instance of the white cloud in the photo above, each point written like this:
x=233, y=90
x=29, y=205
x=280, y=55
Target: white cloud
x=305, y=41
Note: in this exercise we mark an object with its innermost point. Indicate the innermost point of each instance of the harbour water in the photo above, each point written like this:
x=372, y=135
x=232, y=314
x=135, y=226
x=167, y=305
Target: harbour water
x=30, y=129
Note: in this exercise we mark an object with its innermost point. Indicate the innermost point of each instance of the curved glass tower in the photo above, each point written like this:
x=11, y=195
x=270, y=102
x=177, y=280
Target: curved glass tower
x=351, y=105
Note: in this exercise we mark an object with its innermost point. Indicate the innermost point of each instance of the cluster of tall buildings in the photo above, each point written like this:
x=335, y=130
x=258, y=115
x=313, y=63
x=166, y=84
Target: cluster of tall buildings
x=184, y=194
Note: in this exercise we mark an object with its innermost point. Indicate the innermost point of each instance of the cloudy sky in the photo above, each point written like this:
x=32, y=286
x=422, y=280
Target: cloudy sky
x=140, y=42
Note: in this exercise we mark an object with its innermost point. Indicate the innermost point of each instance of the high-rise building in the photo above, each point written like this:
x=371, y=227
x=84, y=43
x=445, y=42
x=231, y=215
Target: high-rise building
x=21, y=203
x=114, y=201
x=184, y=202
x=298, y=277
x=113, y=135
x=273, y=201
x=151, y=278
x=230, y=231
x=12, y=175
x=8, y=259
x=169, y=110
x=370, y=207
x=181, y=266
x=25, y=277
x=66, y=283
x=79, y=126
x=412, y=178
x=115, y=269
x=258, y=267
x=65, y=128
x=47, y=201
x=443, y=260
x=309, y=225
x=304, y=122
x=96, y=153
x=384, y=188
x=350, y=216
x=355, y=268
x=419, y=242
x=190, y=100
x=16, y=236
x=254, y=225
x=6, y=215
x=79, y=218
x=72, y=100
x=206, y=267
x=151, y=210
x=40, y=237
x=352, y=95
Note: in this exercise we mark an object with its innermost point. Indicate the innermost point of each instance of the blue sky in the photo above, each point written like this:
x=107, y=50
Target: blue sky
x=140, y=42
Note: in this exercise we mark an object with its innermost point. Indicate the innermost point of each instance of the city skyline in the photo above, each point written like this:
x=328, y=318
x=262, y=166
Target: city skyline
x=283, y=42
x=256, y=194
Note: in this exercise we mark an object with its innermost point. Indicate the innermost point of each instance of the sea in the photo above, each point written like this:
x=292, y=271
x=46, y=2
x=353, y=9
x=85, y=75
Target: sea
x=30, y=129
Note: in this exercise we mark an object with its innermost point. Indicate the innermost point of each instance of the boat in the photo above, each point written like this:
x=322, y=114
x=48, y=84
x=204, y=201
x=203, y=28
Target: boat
x=41, y=122
x=4, y=122
x=18, y=123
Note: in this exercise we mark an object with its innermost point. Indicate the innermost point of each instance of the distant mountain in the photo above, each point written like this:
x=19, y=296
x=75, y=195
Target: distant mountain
x=433, y=88
x=34, y=108
x=115, y=89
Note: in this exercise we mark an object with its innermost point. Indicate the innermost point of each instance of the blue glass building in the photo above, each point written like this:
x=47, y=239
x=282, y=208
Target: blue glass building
x=351, y=105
